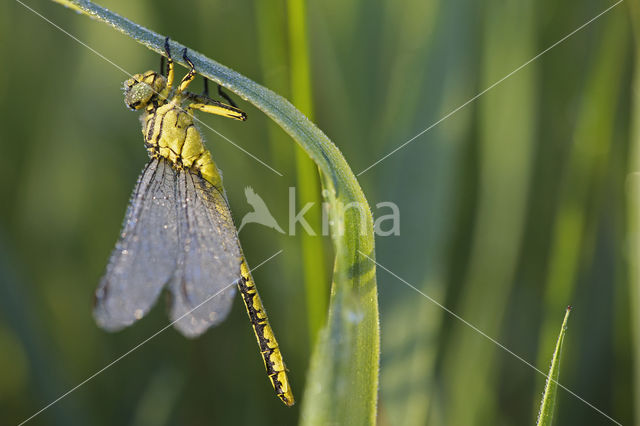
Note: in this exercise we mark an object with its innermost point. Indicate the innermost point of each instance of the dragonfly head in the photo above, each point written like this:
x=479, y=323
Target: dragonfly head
x=142, y=89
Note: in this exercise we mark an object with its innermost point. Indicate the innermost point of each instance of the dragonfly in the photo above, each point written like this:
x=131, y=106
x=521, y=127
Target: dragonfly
x=178, y=233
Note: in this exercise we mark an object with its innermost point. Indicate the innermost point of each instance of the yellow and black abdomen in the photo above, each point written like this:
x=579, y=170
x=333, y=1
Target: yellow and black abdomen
x=271, y=355
x=169, y=132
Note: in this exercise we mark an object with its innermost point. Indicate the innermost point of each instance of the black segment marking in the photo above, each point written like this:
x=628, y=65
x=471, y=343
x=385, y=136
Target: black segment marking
x=259, y=324
x=152, y=124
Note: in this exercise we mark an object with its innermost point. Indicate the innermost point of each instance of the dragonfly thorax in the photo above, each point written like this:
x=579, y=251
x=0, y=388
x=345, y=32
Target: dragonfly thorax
x=169, y=132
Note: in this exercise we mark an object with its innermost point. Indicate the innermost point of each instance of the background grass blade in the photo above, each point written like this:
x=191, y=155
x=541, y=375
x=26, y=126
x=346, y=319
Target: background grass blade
x=575, y=224
x=633, y=213
x=547, y=405
x=410, y=392
x=507, y=133
x=307, y=190
x=271, y=38
x=27, y=361
x=343, y=378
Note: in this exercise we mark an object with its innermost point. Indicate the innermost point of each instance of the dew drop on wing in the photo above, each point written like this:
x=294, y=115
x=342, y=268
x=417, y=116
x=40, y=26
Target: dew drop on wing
x=209, y=260
x=145, y=256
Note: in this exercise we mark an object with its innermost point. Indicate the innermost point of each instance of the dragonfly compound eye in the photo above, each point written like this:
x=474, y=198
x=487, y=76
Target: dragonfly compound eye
x=138, y=95
x=143, y=88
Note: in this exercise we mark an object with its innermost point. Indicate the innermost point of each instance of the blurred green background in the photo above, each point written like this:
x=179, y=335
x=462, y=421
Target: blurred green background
x=511, y=209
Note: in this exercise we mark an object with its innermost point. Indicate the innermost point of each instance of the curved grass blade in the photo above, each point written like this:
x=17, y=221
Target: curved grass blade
x=343, y=379
x=547, y=405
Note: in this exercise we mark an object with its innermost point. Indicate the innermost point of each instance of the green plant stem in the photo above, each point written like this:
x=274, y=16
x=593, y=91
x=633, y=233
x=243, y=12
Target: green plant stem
x=270, y=27
x=316, y=284
x=343, y=377
x=547, y=405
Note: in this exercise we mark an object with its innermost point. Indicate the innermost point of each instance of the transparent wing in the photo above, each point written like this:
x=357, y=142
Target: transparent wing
x=145, y=257
x=209, y=263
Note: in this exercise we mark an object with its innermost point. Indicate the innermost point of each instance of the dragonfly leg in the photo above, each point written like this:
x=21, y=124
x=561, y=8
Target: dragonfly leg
x=226, y=97
x=170, y=67
x=211, y=106
x=205, y=91
x=190, y=75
